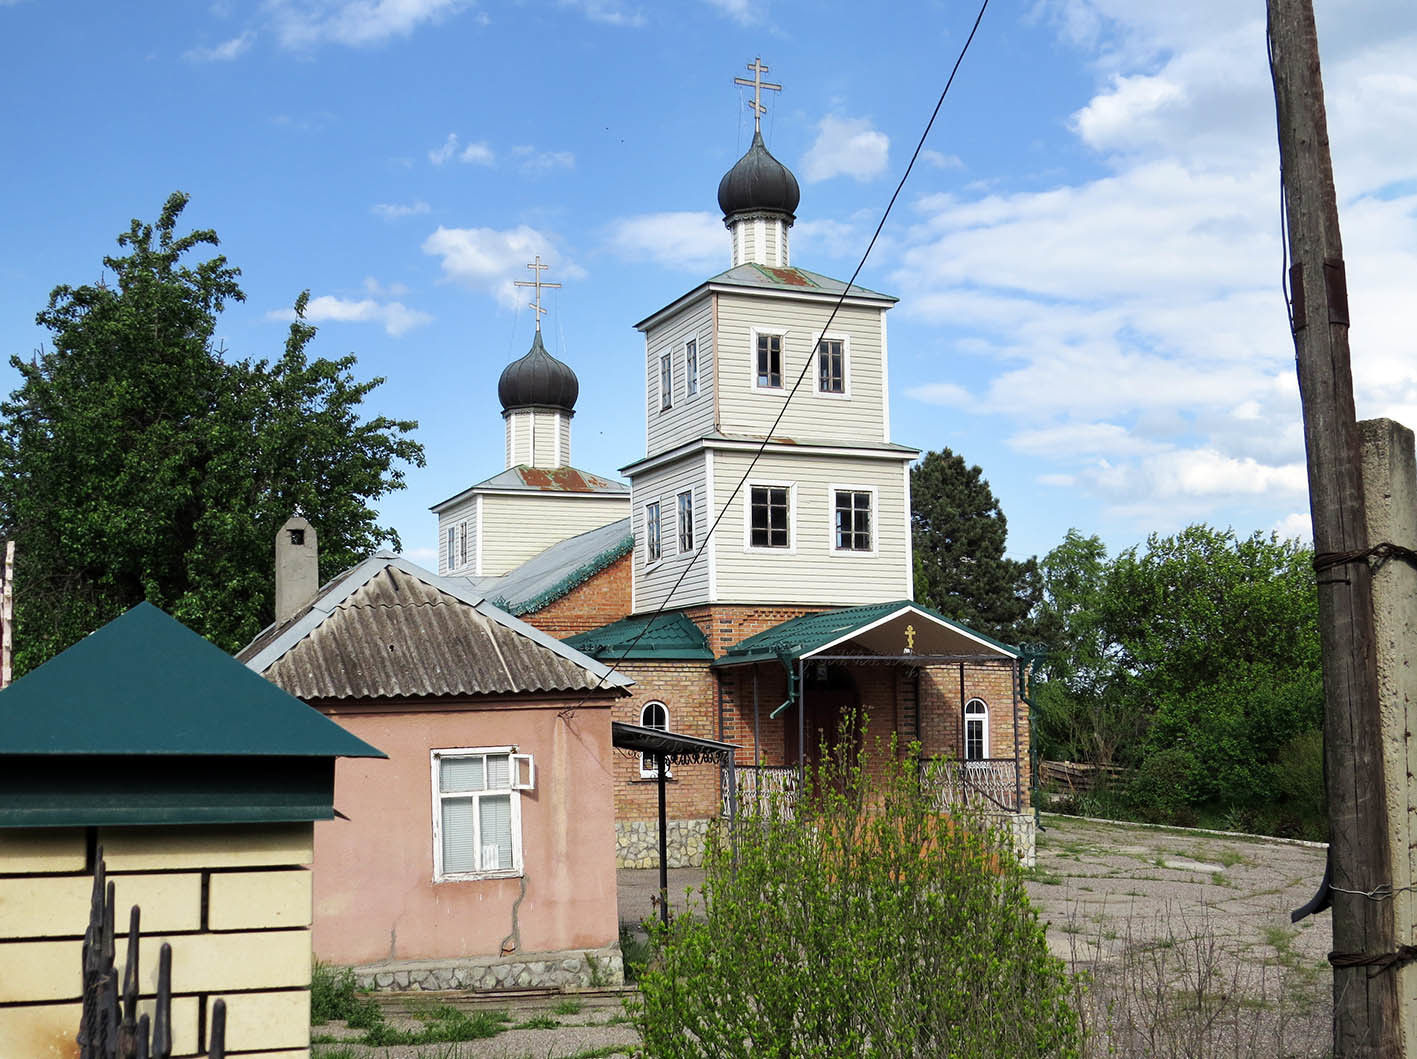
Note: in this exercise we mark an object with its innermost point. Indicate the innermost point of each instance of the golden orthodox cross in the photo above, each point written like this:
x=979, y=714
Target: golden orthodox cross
x=909, y=639
x=536, y=270
x=757, y=84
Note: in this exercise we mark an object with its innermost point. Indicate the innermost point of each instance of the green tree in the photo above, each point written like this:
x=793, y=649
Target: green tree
x=859, y=922
x=959, y=534
x=138, y=463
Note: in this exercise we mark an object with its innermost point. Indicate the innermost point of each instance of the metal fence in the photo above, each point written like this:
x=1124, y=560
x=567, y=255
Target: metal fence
x=991, y=784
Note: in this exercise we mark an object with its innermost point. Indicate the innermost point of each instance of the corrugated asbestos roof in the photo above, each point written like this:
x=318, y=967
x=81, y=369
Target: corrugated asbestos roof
x=669, y=636
x=542, y=480
x=146, y=685
x=803, y=636
x=390, y=629
x=546, y=577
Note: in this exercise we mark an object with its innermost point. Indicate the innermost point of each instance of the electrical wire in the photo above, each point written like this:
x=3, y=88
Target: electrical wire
x=802, y=375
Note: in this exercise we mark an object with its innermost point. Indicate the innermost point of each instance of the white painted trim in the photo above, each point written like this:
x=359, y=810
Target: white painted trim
x=747, y=497
x=964, y=718
x=481, y=536
x=679, y=452
x=709, y=515
x=804, y=294
x=651, y=773
x=666, y=396
x=691, y=379
x=739, y=247
x=648, y=563
x=693, y=522
x=786, y=257
x=440, y=876
x=845, y=340
x=760, y=241
x=848, y=553
x=909, y=537
x=885, y=384
x=910, y=607
x=556, y=445
x=782, y=389
x=779, y=234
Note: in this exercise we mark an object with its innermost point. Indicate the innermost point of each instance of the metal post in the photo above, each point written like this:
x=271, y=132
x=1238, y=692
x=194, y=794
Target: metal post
x=801, y=729
x=757, y=754
x=1018, y=764
x=663, y=841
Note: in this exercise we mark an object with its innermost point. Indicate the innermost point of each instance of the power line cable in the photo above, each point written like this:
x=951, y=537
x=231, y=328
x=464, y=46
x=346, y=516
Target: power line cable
x=767, y=438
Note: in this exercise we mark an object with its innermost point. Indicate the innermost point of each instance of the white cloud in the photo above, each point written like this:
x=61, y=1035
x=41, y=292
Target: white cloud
x=392, y=211
x=491, y=260
x=477, y=154
x=948, y=394
x=396, y=317
x=691, y=241
x=439, y=155
x=941, y=161
x=306, y=23
x=846, y=147
x=744, y=12
x=223, y=52
x=534, y=161
x=1295, y=525
x=378, y=290
x=610, y=12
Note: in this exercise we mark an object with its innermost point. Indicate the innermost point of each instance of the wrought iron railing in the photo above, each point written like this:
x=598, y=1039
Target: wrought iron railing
x=754, y=781
x=990, y=784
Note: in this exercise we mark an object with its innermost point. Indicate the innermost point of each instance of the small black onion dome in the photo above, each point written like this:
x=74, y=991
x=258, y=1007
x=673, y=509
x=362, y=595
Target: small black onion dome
x=538, y=379
x=758, y=182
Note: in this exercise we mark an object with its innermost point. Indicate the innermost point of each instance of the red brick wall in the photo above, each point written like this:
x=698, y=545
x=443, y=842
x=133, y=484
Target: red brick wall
x=601, y=599
x=942, y=711
x=726, y=624
x=689, y=691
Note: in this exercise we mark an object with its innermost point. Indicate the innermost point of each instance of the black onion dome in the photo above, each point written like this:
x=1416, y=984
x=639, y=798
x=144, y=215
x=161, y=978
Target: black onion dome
x=758, y=182
x=538, y=379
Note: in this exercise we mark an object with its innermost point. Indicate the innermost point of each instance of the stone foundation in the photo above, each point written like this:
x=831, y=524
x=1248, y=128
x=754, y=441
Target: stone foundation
x=597, y=968
x=1024, y=828
x=637, y=843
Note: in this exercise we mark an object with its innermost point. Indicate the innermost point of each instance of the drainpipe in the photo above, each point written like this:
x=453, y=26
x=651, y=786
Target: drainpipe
x=1030, y=655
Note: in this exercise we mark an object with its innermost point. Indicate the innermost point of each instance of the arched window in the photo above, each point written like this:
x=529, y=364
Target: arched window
x=976, y=730
x=652, y=715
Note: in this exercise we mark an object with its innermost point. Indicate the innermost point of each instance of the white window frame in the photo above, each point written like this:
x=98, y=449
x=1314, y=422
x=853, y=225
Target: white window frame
x=654, y=542
x=756, y=333
x=666, y=382
x=647, y=770
x=452, y=545
x=748, y=545
x=983, y=718
x=462, y=544
x=680, y=522
x=517, y=784
x=832, y=490
x=691, y=367
x=845, y=341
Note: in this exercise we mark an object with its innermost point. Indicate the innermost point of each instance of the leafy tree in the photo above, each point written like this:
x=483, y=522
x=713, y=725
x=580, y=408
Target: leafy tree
x=137, y=463
x=959, y=535
x=859, y=922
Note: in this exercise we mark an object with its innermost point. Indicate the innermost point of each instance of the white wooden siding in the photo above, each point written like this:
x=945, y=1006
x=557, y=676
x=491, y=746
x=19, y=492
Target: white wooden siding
x=811, y=571
x=744, y=409
x=664, y=484
x=565, y=428
x=454, y=517
x=514, y=528
x=690, y=417
x=544, y=443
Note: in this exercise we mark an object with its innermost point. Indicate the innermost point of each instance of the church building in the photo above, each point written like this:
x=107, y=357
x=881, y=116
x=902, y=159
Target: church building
x=766, y=568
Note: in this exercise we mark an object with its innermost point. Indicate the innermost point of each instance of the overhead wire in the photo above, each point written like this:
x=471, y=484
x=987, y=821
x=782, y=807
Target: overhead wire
x=807, y=365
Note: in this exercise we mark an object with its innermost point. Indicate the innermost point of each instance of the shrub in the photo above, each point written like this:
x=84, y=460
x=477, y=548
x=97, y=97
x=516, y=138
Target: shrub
x=333, y=995
x=858, y=922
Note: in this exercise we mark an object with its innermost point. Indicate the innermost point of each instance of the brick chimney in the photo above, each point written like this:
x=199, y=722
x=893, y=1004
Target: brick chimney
x=297, y=567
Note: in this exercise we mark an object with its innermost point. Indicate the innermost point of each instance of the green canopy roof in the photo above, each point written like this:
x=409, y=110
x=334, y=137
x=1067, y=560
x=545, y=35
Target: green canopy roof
x=808, y=635
x=145, y=685
x=668, y=636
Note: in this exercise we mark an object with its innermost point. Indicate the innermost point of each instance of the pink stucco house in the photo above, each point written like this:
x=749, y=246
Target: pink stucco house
x=481, y=854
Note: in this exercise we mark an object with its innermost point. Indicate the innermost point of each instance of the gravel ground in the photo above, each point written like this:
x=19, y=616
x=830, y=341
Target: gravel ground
x=1113, y=897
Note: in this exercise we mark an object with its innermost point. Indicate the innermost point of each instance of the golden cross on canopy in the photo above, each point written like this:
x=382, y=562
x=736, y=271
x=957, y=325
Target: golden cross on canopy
x=757, y=84
x=909, y=638
x=536, y=270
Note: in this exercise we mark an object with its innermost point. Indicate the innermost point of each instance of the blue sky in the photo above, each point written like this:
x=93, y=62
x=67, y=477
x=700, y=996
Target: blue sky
x=1087, y=255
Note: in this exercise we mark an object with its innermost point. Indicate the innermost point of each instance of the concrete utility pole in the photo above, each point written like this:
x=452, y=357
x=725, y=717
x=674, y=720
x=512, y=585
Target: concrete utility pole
x=1365, y=1018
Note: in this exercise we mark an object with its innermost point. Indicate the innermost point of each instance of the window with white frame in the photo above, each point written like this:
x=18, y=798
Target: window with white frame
x=691, y=367
x=976, y=730
x=686, y=521
x=769, y=362
x=666, y=382
x=653, y=715
x=477, y=823
x=852, y=509
x=831, y=366
x=452, y=554
x=653, y=543
x=462, y=543
x=769, y=516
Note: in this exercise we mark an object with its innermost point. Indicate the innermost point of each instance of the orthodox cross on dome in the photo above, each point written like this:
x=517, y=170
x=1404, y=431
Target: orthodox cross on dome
x=537, y=268
x=757, y=84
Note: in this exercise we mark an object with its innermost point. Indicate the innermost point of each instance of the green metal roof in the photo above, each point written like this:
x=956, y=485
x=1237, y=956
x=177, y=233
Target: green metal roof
x=145, y=685
x=669, y=636
x=806, y=635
